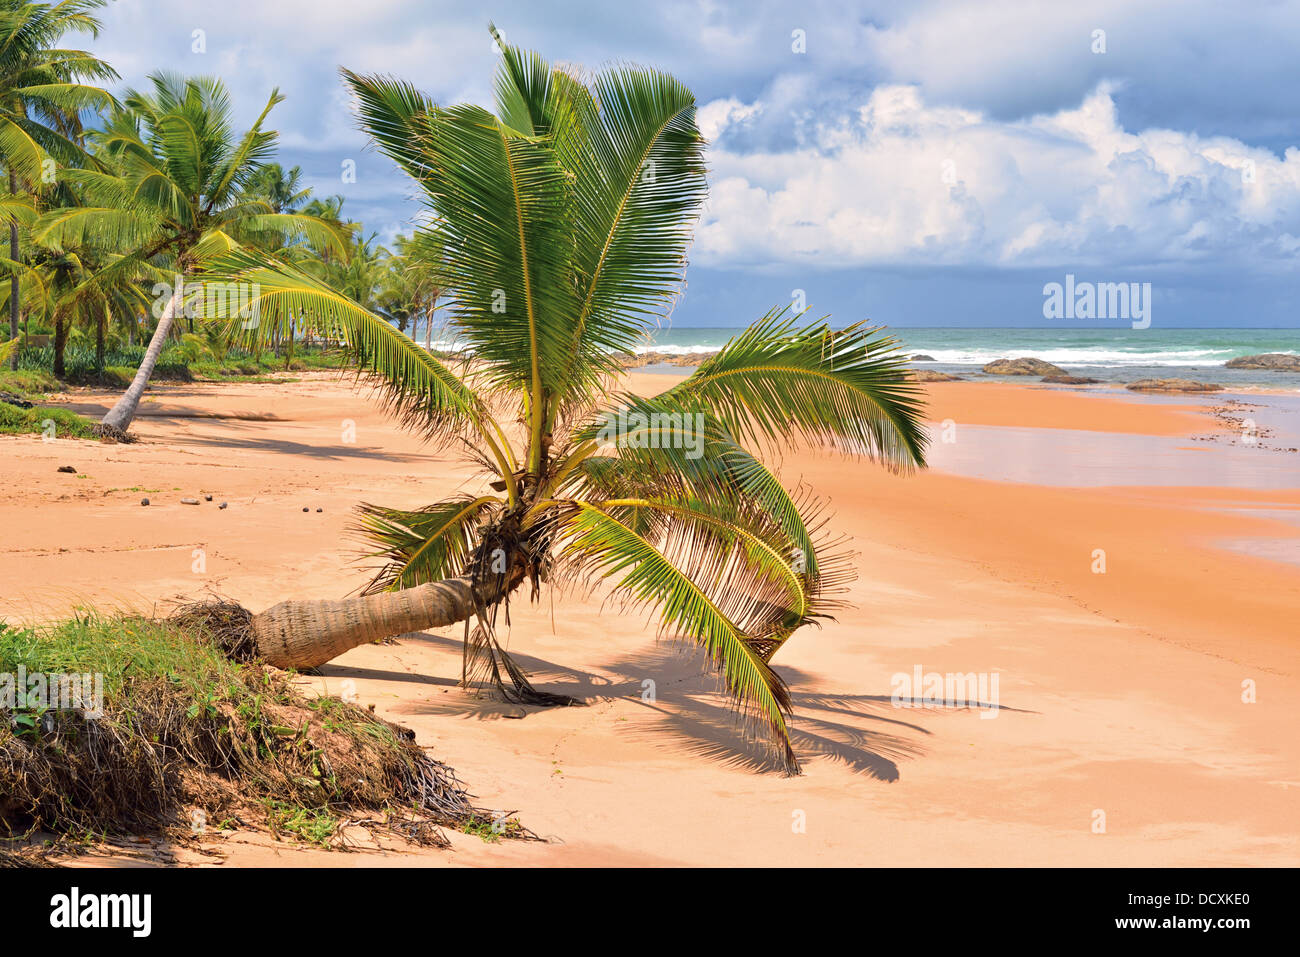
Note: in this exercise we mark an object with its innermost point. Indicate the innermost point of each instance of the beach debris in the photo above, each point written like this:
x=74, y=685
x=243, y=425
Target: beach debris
x=1070, y=380
x=68, y=468
x=1025, y=365
x=189, y=501
x=1173, y=385
x=1270, y=361
x=222, y=505
x=144, y=501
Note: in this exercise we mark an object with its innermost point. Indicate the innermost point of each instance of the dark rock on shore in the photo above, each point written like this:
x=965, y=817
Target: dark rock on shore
x=1271, y=361
x=1025, y=365
x=1173, y=385
x=1070, y=380
x=929, y=375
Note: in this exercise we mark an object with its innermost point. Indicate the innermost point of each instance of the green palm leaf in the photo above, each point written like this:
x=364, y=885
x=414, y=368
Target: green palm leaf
x=847, y=388
x=595, y=538
x=424, y=545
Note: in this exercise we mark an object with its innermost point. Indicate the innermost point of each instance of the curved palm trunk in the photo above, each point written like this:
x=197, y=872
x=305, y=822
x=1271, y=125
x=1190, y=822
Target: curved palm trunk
x=304, y=634
x=119, y=418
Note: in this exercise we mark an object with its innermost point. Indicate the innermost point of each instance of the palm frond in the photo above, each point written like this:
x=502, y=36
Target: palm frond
x=422, y=390
x=847, y=388
x=424, y=545
x=679, y=578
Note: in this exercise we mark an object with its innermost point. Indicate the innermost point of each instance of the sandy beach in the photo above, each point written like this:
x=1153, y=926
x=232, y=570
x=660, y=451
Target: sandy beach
x=1158, y=696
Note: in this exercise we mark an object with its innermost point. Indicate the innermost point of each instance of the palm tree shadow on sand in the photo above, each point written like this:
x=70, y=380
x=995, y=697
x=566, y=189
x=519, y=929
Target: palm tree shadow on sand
x=861, y=731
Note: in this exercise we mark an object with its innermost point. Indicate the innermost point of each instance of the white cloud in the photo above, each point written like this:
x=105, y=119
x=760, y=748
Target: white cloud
x=905, y=182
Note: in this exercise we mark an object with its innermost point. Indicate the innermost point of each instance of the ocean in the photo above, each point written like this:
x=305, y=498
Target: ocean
x=1111, y=355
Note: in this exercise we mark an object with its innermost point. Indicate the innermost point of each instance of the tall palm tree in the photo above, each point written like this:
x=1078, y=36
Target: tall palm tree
x=566, y=219
x=42, y=98
x=175, y=192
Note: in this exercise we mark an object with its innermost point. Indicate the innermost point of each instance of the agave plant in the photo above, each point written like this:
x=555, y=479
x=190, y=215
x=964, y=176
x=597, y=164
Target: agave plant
x=565, y=219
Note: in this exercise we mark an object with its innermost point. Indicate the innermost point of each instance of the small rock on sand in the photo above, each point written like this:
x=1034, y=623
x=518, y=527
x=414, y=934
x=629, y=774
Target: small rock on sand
x=222, y=505
x=1025, y=365
x=68, y=468
x=1070, y=380
x=144, y=501
x=207, y=498
x=1173, y=385
x=189, y=501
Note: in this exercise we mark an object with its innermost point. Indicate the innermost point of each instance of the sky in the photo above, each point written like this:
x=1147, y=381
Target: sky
x=911, y=163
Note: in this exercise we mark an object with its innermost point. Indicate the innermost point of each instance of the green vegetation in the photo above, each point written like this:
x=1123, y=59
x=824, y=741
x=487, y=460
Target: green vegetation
x=191, y=723
x=67, y=425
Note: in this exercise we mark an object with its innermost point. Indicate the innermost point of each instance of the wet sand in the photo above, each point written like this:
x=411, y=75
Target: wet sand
x=1120, y=692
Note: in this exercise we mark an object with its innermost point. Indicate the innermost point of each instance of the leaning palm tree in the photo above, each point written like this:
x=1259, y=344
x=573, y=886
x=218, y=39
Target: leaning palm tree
x=174, y=192
x=566, y=219
x=42, y=98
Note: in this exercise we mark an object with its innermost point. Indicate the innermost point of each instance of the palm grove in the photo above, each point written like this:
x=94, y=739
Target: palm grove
x=555, y=238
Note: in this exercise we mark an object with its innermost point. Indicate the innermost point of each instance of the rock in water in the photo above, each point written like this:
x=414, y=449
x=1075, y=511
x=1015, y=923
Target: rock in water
x=1023, y=366
x=922, y=357
x=1270, y=361
x=1070, y=380
x=1173, y=385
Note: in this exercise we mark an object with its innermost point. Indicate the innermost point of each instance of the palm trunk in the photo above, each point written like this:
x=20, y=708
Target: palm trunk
x=428, y=327
x=60, y=345
x=304, y=634
x=119, y=418
x=99, y=340
x=14, y=289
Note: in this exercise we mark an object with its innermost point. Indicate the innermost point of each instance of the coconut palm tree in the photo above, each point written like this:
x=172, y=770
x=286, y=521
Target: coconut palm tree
x=566, y=218
x=283, y=191
x=174, y=192
x=42, y=98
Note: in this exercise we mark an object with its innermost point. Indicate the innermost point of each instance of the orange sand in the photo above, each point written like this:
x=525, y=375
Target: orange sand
x=1119, y=692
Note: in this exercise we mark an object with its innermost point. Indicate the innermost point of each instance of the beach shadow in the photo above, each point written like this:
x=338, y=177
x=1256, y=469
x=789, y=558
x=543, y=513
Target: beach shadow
x=329, y=452
x=866, y=733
